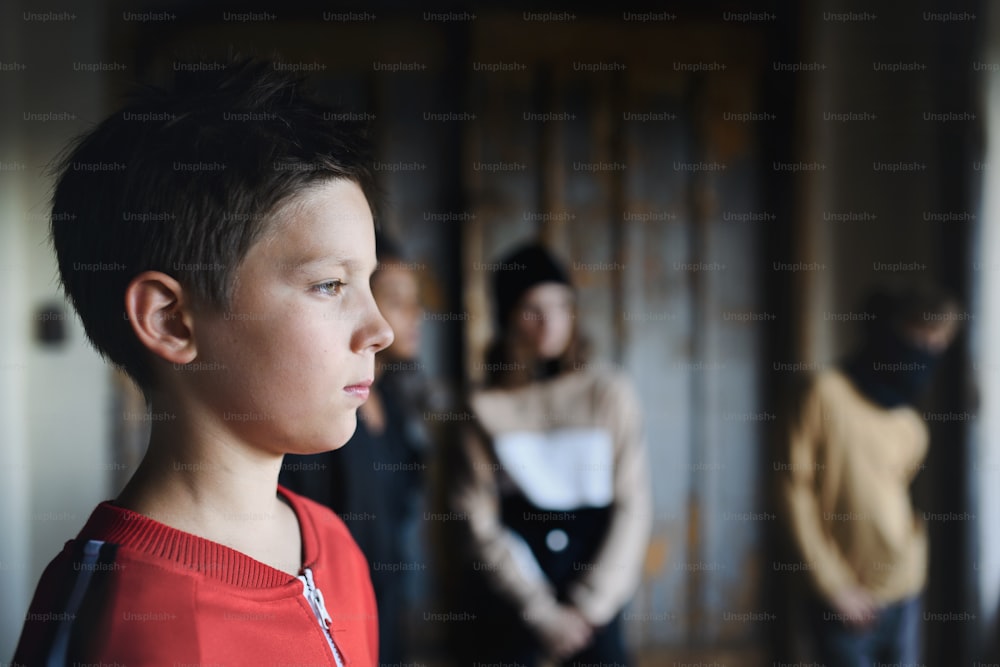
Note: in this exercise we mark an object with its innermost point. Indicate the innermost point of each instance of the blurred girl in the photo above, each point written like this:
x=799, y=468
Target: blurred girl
x=555, y=485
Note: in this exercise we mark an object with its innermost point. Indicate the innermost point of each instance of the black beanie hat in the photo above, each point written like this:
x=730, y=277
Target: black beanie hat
x=518, y=272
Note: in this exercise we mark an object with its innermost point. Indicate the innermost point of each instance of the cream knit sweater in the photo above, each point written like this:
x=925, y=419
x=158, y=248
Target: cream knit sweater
x=577, y=402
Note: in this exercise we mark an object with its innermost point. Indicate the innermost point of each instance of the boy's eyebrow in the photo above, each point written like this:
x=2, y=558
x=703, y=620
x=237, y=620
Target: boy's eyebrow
x=304, y=264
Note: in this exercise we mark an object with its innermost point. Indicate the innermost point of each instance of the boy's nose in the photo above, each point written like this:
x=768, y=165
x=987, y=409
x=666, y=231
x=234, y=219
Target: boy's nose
x=381, y=335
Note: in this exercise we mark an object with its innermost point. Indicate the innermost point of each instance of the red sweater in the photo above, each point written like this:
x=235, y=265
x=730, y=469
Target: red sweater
x=133, y=591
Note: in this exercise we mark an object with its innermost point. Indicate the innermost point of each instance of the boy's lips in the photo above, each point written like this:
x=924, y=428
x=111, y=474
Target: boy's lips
x=359, y=389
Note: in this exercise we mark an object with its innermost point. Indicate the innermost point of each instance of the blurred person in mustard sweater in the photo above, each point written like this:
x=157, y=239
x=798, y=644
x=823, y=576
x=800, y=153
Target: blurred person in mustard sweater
x=854, y=444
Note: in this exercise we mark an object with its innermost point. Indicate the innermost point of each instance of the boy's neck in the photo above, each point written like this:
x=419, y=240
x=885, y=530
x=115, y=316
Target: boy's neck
x=198, y=478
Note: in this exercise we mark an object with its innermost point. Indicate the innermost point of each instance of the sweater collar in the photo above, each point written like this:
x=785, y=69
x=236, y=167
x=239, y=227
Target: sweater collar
x=142, y=534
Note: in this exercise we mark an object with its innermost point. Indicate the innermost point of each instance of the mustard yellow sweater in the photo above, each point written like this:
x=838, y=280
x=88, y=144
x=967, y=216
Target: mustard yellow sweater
x=845, y=488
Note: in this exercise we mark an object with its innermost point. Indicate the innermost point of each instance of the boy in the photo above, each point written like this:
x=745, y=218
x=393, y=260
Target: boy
x=217, y=242
x=852, y=448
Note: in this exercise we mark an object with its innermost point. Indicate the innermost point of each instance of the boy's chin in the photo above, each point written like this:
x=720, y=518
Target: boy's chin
x=338, y=436
x=333, y=437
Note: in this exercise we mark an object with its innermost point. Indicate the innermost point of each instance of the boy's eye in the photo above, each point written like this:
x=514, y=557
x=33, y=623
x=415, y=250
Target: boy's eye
x=330, y=287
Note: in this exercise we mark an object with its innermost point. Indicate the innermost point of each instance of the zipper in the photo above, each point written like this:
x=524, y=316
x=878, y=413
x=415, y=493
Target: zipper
x=318, y=605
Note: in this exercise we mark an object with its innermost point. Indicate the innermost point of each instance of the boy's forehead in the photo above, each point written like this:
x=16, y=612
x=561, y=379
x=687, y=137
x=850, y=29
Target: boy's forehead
x=335, y=201
x=328, y=223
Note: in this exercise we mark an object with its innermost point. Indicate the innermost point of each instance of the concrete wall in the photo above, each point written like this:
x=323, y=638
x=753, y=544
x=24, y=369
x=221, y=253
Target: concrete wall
x=54, y=402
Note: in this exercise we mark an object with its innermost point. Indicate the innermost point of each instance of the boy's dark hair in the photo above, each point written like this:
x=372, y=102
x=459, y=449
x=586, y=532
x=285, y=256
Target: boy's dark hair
x=184, y=181
x=915, y=303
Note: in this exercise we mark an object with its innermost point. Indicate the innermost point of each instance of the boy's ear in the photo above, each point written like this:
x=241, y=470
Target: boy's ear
x=160, y=314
